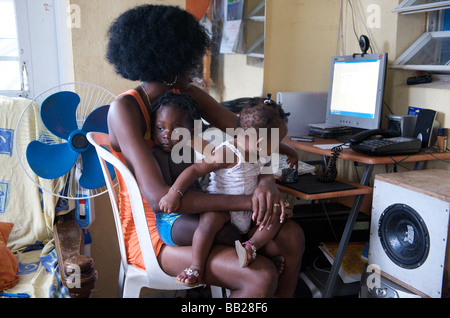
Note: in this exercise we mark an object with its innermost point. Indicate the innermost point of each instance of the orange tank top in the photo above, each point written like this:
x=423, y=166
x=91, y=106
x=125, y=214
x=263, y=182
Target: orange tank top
x=133, y=250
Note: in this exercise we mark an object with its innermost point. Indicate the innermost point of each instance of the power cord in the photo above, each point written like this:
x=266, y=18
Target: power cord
x=330, y=173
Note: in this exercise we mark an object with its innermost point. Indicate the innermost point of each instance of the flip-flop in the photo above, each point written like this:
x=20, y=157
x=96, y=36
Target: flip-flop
x=192, y=273
x=241, y=252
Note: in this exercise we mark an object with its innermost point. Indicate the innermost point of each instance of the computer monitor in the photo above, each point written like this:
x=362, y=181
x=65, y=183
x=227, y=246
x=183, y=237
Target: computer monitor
x=355, y=95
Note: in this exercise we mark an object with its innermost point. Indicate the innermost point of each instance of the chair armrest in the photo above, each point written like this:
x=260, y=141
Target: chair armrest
x=77, y=270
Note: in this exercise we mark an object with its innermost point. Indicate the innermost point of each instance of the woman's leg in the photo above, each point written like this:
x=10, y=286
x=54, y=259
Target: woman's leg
x=222, y=269
x=289, y=243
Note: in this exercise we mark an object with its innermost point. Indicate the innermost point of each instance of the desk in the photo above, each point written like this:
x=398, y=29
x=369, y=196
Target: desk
x=369, y=162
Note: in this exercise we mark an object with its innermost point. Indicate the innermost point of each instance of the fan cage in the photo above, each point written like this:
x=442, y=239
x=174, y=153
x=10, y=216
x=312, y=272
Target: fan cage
x=30, y=127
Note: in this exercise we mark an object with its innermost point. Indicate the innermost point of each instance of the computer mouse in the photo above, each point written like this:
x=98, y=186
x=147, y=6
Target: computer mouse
x=289, y=175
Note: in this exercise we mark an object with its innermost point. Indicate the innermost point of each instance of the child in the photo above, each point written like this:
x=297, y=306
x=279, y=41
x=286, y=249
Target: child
x=234, y=166
x=171, y=112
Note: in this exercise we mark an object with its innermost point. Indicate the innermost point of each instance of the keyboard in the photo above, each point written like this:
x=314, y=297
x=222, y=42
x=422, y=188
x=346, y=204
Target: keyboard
x=303, y=167
x=388, y=146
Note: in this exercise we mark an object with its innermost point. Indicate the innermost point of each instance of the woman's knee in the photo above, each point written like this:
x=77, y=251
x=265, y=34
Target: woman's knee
x=260, y=281
x=266, y=280
x=291, y=238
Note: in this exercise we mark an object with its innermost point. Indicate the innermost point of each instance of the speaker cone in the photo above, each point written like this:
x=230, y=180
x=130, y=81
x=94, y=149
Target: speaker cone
x=404, y=236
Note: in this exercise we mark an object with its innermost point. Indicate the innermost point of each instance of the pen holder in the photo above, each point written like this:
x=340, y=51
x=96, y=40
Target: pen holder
x=442, y=139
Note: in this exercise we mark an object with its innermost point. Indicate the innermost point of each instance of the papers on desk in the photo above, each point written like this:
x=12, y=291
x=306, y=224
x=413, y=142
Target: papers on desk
x=330, y=146
x=352, y=265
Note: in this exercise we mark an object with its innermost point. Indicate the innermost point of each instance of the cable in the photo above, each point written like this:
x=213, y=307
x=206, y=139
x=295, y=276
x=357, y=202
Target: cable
x=340, y=27
x=398, y=163
x=353, y=20
x=365, y=27
x=330, y=173
x=329, y=221
x=429, y=153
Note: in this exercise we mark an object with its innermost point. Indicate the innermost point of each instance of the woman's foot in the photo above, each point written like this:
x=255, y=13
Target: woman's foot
x=191, y=276
x=246, y=253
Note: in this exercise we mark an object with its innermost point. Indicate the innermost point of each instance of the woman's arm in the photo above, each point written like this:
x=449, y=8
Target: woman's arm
x=267, y=193
x=211, y=110
x=126, y=129
x=170, y=203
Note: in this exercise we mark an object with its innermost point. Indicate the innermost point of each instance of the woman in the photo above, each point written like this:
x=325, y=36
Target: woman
x=161, y=46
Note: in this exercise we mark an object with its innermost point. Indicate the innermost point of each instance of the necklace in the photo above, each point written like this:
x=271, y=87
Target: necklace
x=146, y=94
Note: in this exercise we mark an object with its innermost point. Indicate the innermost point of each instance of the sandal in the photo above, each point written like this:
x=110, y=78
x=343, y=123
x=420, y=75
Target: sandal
x=189, y=274
x=242, y=253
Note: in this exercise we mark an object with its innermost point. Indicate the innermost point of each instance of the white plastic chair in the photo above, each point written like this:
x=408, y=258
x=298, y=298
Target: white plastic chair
x=131, y=278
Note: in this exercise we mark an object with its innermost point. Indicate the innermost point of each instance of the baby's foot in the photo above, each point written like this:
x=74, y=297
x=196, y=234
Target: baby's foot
x=190, y=276
x=246, y=253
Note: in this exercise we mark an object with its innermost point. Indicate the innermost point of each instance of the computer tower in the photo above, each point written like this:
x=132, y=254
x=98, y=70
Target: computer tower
x=405, y=124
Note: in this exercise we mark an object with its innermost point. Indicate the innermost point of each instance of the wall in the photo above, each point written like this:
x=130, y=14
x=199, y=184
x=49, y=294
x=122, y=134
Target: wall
x=89, y=49
x=89, y=41
x=302, y=35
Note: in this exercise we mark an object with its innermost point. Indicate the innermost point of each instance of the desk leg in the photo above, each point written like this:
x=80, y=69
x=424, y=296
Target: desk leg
x=418, y=165
x=329, y=288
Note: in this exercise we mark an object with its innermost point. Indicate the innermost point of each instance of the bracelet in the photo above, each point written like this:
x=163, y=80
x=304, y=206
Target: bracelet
x=180, y=193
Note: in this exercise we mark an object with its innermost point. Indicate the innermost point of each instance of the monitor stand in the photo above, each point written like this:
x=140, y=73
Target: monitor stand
x=346, y=138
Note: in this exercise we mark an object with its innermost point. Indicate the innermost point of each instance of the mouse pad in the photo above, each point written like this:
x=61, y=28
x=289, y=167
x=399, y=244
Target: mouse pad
x=308, y=184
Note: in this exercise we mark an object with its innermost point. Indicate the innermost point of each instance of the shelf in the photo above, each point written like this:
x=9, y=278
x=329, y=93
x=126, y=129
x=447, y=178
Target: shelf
x=360, y=190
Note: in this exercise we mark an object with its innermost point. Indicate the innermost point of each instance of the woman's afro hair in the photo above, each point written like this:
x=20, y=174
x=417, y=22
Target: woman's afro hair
x=155, y=43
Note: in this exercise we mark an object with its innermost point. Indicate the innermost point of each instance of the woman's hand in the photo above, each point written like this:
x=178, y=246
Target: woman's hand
x=268, y=205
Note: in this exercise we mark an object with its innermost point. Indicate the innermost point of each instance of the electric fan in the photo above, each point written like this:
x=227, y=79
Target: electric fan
x=51, y=142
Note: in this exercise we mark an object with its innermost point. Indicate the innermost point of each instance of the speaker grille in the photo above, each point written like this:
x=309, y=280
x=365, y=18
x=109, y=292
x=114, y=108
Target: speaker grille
x=404, y=236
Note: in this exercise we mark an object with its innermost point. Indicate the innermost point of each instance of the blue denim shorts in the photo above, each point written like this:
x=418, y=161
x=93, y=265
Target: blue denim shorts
x=164, y=223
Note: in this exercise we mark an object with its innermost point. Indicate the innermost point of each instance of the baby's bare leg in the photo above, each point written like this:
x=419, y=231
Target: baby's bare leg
x=259, y=239
x=209, y=225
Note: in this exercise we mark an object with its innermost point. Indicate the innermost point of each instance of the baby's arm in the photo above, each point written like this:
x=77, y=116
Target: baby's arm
x=292, y=156
x=171, y=201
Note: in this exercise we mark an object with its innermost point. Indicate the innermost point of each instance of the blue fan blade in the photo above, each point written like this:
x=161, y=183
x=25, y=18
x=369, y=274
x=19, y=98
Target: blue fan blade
x=58, y=113
x=50, y=161
x=97, y=120
x=92, y=175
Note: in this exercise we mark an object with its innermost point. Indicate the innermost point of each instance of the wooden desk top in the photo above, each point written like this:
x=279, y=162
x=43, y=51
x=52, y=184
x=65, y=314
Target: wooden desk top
x=432, y=182
x=350, y=154
x=360, y=189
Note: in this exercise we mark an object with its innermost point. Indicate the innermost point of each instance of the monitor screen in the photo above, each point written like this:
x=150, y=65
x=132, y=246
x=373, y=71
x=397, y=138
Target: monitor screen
x=355, y=95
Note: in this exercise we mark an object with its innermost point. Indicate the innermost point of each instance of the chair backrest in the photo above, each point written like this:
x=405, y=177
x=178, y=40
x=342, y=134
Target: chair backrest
x=100, y=141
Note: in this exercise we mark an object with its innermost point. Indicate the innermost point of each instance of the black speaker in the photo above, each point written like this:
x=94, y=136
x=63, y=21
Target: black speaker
x=424, y=126
x=405, y=124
